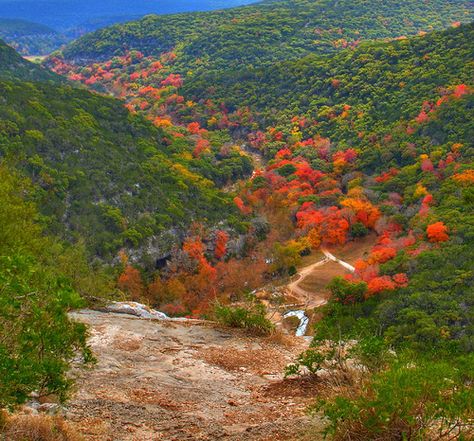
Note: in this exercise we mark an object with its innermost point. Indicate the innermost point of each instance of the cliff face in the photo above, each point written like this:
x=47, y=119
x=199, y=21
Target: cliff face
x=185, y=381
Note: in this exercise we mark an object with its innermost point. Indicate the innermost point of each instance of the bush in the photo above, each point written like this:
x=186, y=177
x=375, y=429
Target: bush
x=311, y=360
x=359, y=230
x=408, y=401
x=346, y=292
x=251, y=318
x=37, y=337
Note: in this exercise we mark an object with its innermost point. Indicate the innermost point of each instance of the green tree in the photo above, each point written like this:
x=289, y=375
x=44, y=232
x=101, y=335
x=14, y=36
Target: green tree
x=37, y=338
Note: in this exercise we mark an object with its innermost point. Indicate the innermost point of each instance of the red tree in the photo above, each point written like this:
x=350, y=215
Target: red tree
x=437, y=232
x=130, y=282
x=221, y=244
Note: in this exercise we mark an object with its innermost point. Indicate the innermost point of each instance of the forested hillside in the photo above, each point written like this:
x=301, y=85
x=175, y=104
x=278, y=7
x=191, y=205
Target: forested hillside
x=323, y=121
x=348, y=97
x=267, y=32
x=101, y=173
x=30, y=38
x=360, y=126
x=12, y=65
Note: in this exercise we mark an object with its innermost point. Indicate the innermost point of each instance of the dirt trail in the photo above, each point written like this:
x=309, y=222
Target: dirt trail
x=325, y=270
x=158, y=380
x=339, y=261
x=309, y=299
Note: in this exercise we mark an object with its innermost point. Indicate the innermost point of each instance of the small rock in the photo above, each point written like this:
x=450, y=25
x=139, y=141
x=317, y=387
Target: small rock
x=33, y=404
x=28, y=410
x=50, y=408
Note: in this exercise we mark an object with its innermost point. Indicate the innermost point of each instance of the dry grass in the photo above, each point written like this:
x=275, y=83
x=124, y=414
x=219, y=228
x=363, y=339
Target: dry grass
x=280, y=338
x=320, y=278
x=352, y=251
x=38, y=428
x=315, y=256
x=94, y=428
x=299, y=387
x=357, y=249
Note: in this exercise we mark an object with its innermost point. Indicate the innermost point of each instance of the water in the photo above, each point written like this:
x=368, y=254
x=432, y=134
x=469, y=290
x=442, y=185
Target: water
x=65, y=14
x=304, y=321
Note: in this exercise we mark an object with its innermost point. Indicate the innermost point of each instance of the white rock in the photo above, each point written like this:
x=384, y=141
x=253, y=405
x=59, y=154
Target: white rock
x=136, y=309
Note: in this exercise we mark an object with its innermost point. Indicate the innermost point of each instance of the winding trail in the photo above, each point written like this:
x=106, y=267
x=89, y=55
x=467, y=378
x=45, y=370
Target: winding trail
x=312, y=299
x=339, y=261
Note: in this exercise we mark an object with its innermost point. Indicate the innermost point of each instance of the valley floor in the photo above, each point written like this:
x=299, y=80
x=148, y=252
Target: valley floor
x=187, y=381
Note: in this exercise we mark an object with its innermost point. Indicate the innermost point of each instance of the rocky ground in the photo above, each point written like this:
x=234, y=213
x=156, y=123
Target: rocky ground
x=189, y=380
x=160, y=380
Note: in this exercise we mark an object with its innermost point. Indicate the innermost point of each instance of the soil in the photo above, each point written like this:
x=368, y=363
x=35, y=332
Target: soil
x=158, y=380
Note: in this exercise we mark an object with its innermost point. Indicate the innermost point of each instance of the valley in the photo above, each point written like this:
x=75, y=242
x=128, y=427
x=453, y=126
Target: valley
x=250, y=223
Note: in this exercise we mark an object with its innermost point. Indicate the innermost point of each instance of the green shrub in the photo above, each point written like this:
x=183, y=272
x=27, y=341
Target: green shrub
x=311, y=359
x=38, y=339
x=251, y=318
x=409, y=401
x=359, y=230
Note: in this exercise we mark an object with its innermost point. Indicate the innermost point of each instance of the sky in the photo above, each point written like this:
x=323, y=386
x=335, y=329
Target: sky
x=64, y=14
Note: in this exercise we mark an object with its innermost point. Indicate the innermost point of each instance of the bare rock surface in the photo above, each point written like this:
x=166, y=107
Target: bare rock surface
x=136, y=309
x=173, y=381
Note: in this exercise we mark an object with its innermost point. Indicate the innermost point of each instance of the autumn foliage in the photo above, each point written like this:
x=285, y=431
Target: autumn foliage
x=437, y=232
x=221, y=245
x=131, y=283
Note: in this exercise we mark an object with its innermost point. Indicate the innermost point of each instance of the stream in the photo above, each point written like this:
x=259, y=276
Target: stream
x=304, y=321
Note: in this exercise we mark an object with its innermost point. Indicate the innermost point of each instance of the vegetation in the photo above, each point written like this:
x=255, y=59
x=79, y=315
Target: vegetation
x=37, y=428
x=102, y=174
x=30, y=38
x=373, y=139
x=251, y=318
x=405, y=401
x=267, y=32
x=36, y=292
x=12, y=66
x=350, y=97
x=380, y=145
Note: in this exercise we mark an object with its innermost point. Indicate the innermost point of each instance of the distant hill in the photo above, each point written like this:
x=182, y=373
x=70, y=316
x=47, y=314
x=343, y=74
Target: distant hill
x=268, y=31
x=30, y=38
x=385, y=82
x=13, y=66
x=21, y=28
x=65, y=14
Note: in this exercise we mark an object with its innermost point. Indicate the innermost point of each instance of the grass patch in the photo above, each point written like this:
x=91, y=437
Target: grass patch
x=36, y=428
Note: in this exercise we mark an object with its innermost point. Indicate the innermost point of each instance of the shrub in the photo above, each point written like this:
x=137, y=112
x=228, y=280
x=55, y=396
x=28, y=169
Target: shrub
x=311, y=360
x=251, y=318
x=37, y=337
x=359, y=230
x=347, y=292
x=409, y=401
